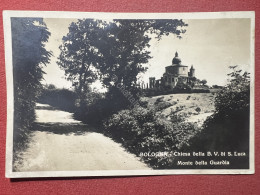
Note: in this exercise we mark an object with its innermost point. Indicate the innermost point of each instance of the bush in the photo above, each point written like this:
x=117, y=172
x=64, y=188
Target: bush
x=29, y=36
x=228, y=128
x=142, y=130
x=158, y=100
x=63, y=99
x=143, y=103
x=93, y=111
x=200, y=91
x=96, y=107
x=176, y=90
x=162, y=105
x=198, y=109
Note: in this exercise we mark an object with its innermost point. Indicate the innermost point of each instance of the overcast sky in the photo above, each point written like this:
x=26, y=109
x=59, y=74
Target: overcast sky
x=209, y=45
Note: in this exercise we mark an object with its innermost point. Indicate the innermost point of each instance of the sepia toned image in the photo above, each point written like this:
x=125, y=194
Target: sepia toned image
x=109, y=94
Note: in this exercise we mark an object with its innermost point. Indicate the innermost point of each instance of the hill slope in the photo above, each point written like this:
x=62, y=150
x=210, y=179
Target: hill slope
x=194, y=107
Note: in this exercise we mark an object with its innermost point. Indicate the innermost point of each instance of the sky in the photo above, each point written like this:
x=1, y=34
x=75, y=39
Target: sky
x=210, y=45
x=54, y=75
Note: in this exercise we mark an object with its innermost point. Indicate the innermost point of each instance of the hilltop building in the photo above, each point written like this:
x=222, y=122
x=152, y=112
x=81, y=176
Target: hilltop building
x=174, y=73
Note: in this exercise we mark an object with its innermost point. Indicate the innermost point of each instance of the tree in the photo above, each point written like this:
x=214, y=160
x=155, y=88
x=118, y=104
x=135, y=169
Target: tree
x=235, y=96
x=79, y=56
x=97, y=49
x=228, y=128
x=204, y=82
x=130, y=49
x=29, y=36
x=117, y=48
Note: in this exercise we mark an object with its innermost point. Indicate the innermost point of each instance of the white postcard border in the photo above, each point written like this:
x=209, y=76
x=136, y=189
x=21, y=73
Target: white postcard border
x=102, y=15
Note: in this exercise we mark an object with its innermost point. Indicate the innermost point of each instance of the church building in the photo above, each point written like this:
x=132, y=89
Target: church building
x=174, y=73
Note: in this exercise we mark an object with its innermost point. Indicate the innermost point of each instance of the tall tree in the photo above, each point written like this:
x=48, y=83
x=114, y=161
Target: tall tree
x=106, y=50
x=127, y=50
x=79, y=56
x=29, y=36
x=117, y=48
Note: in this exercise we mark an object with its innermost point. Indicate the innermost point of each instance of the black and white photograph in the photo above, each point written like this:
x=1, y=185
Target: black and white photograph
x=116, y=94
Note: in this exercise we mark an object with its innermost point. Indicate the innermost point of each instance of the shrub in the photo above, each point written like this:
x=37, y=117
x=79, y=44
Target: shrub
x=228, y=128
x=162, y=105
x=198, y=109
x=29, y=36
x=158, y=100
x=63, y=99
x=97, y=107
x=142, y=130
x=123, y=126
x=143, y=103
x=95, y=112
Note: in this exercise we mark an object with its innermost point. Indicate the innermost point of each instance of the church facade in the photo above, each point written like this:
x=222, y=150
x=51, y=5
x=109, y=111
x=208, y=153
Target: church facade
x=174, y=73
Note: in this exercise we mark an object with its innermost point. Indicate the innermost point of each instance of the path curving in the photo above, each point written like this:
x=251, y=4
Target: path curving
x=61, y=143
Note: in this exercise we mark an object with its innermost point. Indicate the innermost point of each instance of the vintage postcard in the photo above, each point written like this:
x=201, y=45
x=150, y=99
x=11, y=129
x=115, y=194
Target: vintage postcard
x=117, y=94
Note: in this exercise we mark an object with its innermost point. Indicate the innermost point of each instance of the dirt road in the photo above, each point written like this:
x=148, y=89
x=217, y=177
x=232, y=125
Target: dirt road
x=60, y=143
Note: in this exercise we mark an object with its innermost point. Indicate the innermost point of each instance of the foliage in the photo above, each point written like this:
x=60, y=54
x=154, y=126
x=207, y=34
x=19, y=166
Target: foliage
x=92, y=110
x=142, y=130
x=29, y=36
x=78, y=56
x=162, y=105
x=216, y=87
x=165, y=91
x=97, y=107
x=198, y=109
x=124, y=49
x=228, y=128
x=181, y=86
x=99, y=49
x=203, y=82
x=158, y=100
x=62, y=99
x=143, y=103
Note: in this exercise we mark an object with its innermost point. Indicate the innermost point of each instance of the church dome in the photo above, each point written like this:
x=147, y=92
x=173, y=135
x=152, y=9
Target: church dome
x=176, y=59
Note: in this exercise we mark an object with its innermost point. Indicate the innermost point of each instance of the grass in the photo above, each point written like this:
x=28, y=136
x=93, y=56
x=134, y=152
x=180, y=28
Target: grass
x=195, y=107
